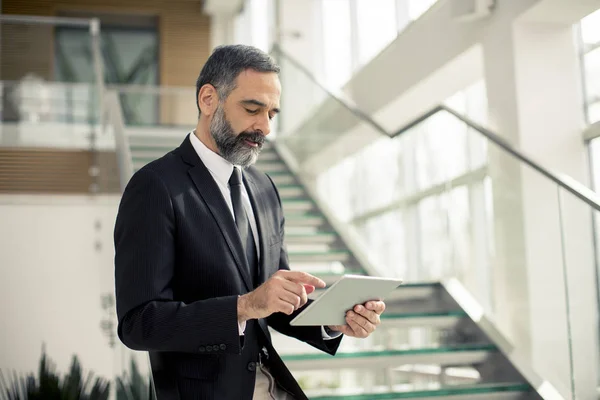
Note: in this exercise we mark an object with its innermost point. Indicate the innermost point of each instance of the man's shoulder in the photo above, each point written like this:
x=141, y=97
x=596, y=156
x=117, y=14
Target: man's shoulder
x=166, y=168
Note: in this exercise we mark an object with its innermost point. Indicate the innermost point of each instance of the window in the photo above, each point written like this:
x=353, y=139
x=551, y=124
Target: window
x=590, y=59
x=337, y=42
x=416, y=8
x=355, y=31
x=130, y=56
x=420, y=201
x=590, y=37
x=260, y=13
x=376, y=27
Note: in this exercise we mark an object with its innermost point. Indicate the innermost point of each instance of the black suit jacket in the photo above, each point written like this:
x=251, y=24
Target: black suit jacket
x=179, y=269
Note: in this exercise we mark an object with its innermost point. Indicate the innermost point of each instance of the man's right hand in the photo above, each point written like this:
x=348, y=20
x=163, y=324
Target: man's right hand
x=285, y=291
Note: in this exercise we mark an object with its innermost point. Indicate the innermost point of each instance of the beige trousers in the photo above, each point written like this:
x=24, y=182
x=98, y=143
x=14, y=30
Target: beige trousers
x=265, y=387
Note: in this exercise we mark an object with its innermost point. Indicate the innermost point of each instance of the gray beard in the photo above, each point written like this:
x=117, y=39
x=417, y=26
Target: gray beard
x=231, y=146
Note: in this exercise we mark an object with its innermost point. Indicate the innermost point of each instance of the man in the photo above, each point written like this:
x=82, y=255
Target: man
x=200, y=266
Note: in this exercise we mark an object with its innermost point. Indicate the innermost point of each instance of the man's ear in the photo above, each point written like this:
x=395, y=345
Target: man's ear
x=208, y=99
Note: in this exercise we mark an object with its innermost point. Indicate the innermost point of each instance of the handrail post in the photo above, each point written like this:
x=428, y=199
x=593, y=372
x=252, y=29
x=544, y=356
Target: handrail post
x=94, y=28
x=98, y=64
x=124, y=159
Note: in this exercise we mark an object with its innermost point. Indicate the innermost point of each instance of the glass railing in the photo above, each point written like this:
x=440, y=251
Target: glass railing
x=50, y=133
x=31, y=63
x=309, y=111
x=445, y=198
x=147, y=122
x=157, y=105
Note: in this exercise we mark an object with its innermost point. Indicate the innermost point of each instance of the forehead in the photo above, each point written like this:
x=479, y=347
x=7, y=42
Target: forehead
x=261, y=86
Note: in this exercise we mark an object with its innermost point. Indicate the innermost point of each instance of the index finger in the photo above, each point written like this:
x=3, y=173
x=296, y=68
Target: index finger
x=304, y=278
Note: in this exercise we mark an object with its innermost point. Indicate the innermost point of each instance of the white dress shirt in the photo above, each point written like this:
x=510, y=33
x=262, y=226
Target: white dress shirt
x=221, y=171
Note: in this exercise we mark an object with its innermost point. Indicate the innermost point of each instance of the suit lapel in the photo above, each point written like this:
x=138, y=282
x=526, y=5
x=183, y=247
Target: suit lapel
x=212, y=196
x=259, y=216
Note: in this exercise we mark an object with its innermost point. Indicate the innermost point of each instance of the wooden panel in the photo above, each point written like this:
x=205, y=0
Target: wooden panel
x=185, y=44
x=25, y=45
x=54, y=171
x=183, y=29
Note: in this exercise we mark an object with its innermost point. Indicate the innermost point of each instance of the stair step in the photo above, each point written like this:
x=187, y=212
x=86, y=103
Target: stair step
x=311, y=238
x=329, y=277
x=283, y=179
x=290, y=191
x=318, y=256
x=432, y=319
x=268, y=155
x=271, y=166
x=483, y=391
x=296, y=205
x=454, y=355
x=303, y=219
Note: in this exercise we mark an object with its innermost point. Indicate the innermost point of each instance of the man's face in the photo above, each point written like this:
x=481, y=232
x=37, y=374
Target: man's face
x=239, y=126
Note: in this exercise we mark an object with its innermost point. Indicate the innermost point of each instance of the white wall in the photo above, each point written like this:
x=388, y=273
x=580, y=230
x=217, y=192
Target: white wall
x=56, y=261
x=534, y=93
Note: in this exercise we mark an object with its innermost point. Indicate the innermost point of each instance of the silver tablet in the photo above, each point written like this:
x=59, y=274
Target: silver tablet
x=330, y=307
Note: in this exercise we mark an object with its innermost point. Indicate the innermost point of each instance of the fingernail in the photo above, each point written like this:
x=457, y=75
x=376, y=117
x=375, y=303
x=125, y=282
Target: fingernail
x=351, y=314
x=358, y=308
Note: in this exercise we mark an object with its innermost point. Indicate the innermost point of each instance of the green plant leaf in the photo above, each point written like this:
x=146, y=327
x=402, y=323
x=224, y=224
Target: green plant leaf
x=48, y=386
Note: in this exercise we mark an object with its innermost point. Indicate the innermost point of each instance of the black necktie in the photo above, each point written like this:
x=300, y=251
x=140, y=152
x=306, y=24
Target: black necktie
x=242, y=222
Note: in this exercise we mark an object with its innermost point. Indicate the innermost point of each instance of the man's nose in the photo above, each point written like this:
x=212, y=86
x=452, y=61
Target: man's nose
x=263, y=124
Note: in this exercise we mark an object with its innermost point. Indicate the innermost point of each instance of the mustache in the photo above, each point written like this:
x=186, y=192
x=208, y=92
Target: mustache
x=254, y=136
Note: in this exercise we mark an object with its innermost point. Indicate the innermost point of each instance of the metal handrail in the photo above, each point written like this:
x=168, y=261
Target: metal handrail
x=98, y=63
x=38, y=19
x=563, y=181
x=591, y=132
x=340, y=98
x=133, y=88
x=115, y=116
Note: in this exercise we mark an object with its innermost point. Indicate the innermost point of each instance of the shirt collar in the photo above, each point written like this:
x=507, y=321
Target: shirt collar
x=220, y=167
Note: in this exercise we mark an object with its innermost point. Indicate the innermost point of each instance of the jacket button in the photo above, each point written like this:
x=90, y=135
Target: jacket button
x=222, y=347
x=216, y=347
x=201, y=349
x=251, y=366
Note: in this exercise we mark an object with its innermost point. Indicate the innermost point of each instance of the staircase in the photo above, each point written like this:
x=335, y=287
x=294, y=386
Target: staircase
x=427, y=347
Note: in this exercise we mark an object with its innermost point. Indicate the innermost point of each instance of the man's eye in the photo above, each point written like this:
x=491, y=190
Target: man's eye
x=252, y=112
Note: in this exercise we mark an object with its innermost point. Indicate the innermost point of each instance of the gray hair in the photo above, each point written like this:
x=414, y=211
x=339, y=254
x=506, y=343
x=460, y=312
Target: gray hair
x=227, y=62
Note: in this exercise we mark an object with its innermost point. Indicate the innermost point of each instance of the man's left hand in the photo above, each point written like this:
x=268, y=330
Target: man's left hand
x=362, y=320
